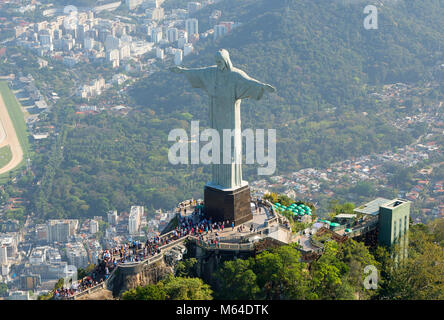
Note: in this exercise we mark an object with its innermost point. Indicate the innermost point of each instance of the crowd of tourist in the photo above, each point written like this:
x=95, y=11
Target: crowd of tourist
x=136, y=251
x=194, y=224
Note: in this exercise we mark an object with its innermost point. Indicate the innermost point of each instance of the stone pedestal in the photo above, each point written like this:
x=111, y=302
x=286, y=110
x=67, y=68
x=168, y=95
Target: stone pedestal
x=223, y=205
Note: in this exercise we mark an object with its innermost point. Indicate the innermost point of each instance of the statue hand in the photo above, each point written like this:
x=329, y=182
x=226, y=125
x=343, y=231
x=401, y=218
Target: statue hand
x=176, y=69
x=270, y=88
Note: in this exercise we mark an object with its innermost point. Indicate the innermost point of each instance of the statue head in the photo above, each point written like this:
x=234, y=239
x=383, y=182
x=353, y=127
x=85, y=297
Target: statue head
x=223, y=60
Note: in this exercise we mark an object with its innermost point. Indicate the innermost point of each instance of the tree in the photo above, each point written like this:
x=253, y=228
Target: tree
x=272, y=197
x=3, y=289
x=237, y=280
x=327, y=272
x=357, y=256
x=172, y=288
x=149, y=292
x=178, y=288
x=281, y=275
x=420, y=275
x=186, y=268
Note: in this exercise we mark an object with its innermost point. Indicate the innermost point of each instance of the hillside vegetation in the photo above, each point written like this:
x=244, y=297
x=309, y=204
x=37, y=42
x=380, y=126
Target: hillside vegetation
x=317, y=54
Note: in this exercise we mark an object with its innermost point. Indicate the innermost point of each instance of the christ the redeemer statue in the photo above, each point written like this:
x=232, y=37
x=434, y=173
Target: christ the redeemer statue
x=226, y=86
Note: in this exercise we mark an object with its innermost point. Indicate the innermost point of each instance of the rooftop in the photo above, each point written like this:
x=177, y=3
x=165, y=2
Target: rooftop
x=394, y=203
x=372, y=208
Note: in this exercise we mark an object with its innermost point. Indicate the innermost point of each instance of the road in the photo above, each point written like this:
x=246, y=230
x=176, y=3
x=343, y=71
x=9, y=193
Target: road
x=10, y=139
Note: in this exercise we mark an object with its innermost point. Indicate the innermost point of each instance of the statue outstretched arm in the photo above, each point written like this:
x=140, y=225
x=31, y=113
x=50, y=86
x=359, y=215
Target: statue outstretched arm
x=248, y=87
x=269, y=88
x=198, y=77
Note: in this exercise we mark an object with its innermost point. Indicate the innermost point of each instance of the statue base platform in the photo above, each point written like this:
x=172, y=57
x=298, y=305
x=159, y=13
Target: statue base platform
x=228, y=204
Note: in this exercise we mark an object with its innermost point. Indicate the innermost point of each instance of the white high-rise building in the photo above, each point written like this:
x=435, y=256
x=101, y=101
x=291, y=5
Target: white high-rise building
x=88, y=43
x=183, y=38
x=76, y=254
x=61, y=230
x=124, y=52
x=156, y=35
x=45, y=38
x=158, y=14
x=192, y=26
x=172, y=34
x=187, y=49
x=112, y=217
x=113, y=55
x=93, y=226
x=159, y=53
x=135, y=217
x=3, y=254
x=112, y=43
x=219, y=31
x=178, y=56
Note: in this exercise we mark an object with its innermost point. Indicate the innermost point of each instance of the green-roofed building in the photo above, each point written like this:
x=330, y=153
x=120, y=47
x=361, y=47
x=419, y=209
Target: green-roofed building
x=394, y=219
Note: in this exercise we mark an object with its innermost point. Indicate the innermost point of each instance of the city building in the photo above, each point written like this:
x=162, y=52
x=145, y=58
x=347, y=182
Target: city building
x=394, y=222
x=187, y=49
x=10, y=243
x=3, y=254
x=159, y=53
x=93, y=226
x=156, y=35
x=61, y=230
x=112, y=43
x=88, y=43
x=172, y=35
x=192, y=26
x=134, y=219
x=157, y=14
x=219, y=31
x=124, y=52
x=30, y=282
x=133, y=4
x=193, y=7
x=77, y=255
x=38, y=255
x=112, y=217
x=228, y=25
x=178, y=57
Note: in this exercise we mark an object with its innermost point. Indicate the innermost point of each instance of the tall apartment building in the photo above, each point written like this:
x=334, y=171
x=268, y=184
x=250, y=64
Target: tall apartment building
x=192, y=26
x=393, y=221
x=112, y=217
x=93, y=227
x=172, y=34
x=3, y=254
x=219, y=31
x=134, y=219
x=61, y=230
x=77, y=255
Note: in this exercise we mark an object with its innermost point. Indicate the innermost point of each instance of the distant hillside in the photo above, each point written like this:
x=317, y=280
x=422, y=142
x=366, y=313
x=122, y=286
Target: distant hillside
x=322, y=60
x=323, y=63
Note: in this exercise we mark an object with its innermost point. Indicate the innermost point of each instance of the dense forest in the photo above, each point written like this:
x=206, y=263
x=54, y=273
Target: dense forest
x=317, y=54
x=338, y=274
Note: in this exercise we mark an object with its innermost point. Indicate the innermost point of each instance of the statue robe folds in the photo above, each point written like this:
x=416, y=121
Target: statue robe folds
x=226, y=88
